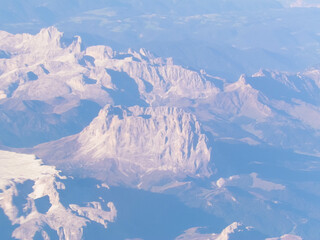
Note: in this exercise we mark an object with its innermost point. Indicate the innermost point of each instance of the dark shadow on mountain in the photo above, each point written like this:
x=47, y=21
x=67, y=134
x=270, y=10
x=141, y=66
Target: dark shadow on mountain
x=4, y=54
x=275, y=89
x=140, y=214
x=85, y=60
x=37, y=106
x=23, y=189
x=66, y=40
x=154, y=216
x=239, y=192
x=94, y=231
x=116, y=111
x=272, y=88
x=123, y=56
x=145, y=116
x=148, y=86
x=269, y=162
x=6, y=226
x=80, y=191
x=88, y=80
x=51, y=233
x=246, y=235
x=12, y=87
x=127, y=93
x=32, y=76
x=217, y=82
x=79, y=117
x=309, y=90
x=44, y=69
x=43, y=204
x=37, y=124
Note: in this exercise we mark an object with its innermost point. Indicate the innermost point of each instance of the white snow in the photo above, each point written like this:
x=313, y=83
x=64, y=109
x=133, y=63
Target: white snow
x=265, y=185
x=249, y=114
x=94, y=212
x=230, y=232
x=286, y=237
x=233, y=231
x=160, y=141
x=16, y=168
x=252, y=180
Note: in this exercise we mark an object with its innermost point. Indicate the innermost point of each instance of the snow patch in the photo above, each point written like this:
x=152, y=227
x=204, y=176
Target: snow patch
x=18, y=169
x=265, y=185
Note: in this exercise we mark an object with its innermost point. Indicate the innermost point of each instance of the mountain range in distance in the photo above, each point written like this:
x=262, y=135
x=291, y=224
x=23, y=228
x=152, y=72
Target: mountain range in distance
x=126, y=123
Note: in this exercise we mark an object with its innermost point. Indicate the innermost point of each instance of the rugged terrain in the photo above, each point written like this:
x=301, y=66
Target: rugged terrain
x=244, y=152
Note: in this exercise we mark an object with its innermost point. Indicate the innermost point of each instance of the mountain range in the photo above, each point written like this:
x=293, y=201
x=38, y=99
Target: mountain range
x=245, y=152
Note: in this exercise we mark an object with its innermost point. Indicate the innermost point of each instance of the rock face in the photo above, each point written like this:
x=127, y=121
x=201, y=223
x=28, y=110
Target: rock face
x=49, y=84
x=267, y=107
x=50, y=89
x=136, y=143
x=154, y=139
x=132, y=119
x=30, y=199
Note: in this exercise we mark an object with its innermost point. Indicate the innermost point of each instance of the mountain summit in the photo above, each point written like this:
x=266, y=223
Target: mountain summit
x=134, y=145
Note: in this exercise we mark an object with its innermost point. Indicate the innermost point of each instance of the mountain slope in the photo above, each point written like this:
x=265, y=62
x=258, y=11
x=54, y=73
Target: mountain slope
x=138, y=146
x=158, y=123
x=30, y=199
x=51, y=85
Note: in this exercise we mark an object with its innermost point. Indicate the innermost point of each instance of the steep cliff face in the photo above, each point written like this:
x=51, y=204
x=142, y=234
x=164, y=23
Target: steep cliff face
x=43, y=67
x=157, y=79
x=132, y=119
x=48, y=83
x=136, y=143
x=154, y=139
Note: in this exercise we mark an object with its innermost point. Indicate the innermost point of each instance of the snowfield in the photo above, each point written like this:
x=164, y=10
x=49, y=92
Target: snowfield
x=29, y=197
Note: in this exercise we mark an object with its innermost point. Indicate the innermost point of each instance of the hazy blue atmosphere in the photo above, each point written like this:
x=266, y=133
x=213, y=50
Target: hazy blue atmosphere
x=226, y=38
x=149, y=119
